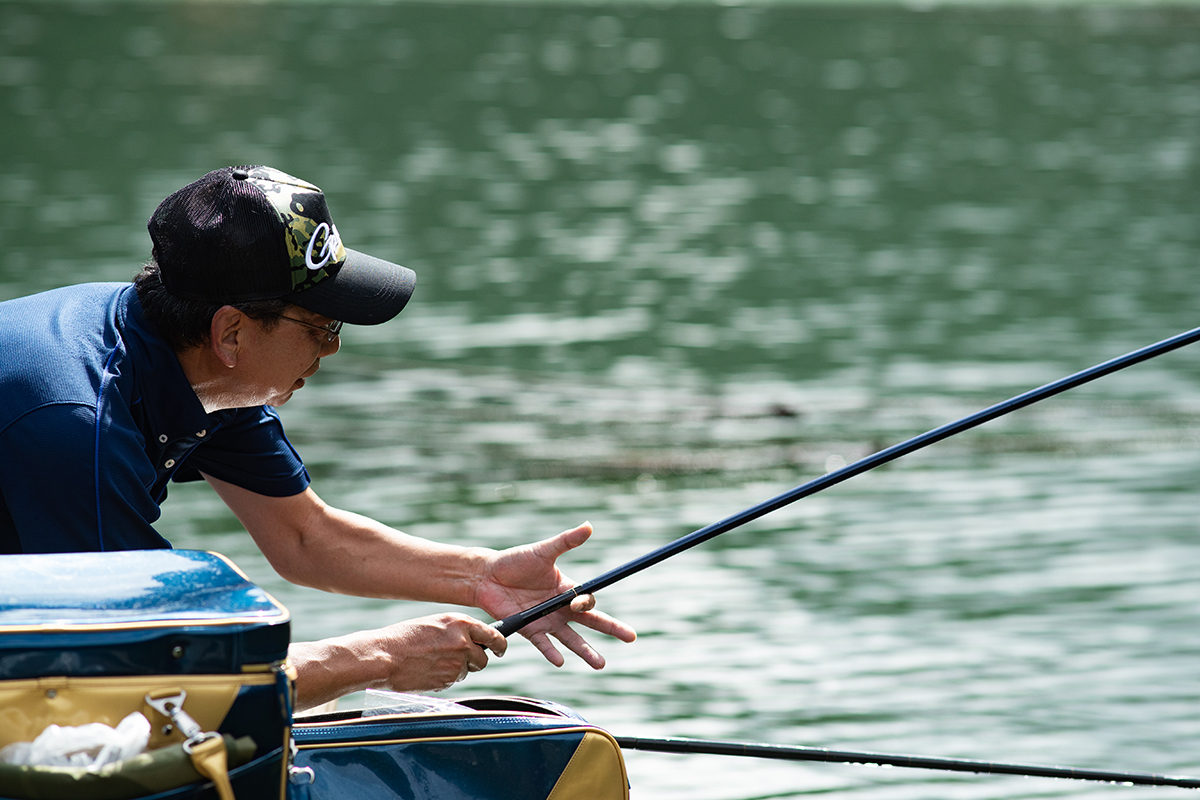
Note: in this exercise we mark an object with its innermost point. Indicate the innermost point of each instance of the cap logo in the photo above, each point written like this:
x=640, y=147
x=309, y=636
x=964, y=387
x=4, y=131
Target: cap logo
x=330, y=244
x=314, y=246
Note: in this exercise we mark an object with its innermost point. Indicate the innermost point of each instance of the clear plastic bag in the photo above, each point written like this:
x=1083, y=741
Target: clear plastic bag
x=379, y=702
x=92, y=745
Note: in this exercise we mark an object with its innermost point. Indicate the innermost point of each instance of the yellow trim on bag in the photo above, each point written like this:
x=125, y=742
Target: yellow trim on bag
x=589, y=773
x=27, y=707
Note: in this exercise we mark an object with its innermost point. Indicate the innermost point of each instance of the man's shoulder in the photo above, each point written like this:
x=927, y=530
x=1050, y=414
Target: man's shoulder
x=61, y=311
x=57, y=345
x=62, y=297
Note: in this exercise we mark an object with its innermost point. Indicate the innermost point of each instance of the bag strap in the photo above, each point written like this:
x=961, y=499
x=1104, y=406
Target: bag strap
x=209, y=758
x=207, y=750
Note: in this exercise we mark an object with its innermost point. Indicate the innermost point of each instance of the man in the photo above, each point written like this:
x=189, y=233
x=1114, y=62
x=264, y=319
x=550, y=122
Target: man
x=109, y=391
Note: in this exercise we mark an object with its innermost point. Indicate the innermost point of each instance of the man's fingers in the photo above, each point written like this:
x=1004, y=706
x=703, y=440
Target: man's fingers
x=603, y=623
x=484, y=638
x=542, y=642
x=570, y=539
x=598, y=621
x=556, y=626
x=569, y=639
x=583, y=603
x=579, y=646
x=492, y=640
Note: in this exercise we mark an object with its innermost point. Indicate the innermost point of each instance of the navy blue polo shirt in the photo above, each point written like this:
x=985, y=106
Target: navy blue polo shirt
x=96, y=416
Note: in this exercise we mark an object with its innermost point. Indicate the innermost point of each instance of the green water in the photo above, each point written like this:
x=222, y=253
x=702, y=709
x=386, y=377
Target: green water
x=674, y=260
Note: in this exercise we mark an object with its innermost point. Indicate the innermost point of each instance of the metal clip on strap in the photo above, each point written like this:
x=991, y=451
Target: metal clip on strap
x=207, y=750
x=171, y=707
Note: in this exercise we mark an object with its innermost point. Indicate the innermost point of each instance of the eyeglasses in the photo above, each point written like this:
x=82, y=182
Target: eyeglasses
x=332, y=329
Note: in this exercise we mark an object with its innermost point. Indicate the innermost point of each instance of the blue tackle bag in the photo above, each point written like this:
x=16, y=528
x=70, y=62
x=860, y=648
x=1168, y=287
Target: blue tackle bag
x=485, y=748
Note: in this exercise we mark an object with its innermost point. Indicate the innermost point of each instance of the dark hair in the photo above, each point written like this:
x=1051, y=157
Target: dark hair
x=186, y=323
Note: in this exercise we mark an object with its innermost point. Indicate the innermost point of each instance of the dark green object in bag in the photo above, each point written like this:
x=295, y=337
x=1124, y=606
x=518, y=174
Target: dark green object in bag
x=149, y=773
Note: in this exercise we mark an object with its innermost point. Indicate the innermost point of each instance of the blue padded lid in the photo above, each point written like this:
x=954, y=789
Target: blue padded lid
x=133, y=586
x=134, y=612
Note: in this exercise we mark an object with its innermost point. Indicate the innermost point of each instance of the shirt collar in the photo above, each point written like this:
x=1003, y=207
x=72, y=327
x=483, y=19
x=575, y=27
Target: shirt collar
x=170, y=404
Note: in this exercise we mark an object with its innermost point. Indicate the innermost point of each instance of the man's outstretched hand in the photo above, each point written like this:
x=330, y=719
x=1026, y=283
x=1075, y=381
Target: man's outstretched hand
x=521, y=577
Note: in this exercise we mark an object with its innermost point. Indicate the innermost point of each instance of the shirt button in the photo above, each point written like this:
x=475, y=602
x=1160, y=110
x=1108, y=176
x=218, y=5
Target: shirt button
x=201, y=434
x=170, y=462
x=163, y=438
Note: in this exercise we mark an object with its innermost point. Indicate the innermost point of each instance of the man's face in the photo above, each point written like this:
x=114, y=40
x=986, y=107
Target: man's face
x=282, y=355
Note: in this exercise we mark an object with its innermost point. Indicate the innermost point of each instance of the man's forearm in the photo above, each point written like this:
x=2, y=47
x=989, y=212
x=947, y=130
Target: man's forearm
x=331, y=668
x=424, y=654
x=352, y=554
x=313, y=544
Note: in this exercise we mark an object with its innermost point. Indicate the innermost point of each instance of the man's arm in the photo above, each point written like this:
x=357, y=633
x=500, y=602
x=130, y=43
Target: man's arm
x=425, y=654
x=313, y=544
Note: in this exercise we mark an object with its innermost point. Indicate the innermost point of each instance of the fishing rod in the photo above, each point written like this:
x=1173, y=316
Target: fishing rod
x=798, y=753
x=515, y=622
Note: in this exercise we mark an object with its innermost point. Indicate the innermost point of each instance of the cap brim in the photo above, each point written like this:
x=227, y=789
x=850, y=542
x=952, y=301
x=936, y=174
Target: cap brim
x=365, y=291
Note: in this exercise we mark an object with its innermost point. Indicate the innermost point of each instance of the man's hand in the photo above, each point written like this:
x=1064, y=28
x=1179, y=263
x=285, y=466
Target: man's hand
x=521, y=577
x=424, y=654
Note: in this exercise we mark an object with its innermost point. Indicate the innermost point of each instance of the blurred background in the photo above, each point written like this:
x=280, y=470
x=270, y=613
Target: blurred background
x=675, y=259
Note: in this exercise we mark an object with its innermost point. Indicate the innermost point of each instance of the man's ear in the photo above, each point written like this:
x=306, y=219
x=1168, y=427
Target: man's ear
x=226, y=333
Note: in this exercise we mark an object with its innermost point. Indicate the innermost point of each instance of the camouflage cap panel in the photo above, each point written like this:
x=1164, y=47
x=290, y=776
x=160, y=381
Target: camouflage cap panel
x=314, y=246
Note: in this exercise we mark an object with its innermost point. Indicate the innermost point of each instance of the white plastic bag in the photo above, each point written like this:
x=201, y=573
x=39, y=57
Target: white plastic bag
x=92, y=745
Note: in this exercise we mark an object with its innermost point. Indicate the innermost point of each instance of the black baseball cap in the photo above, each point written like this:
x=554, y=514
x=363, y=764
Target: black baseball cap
x=241, y=234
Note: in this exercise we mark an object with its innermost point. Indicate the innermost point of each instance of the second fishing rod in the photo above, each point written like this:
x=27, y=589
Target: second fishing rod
x=514, y=623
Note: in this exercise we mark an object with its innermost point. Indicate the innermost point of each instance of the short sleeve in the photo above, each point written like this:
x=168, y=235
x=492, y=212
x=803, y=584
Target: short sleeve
x=251, y=451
